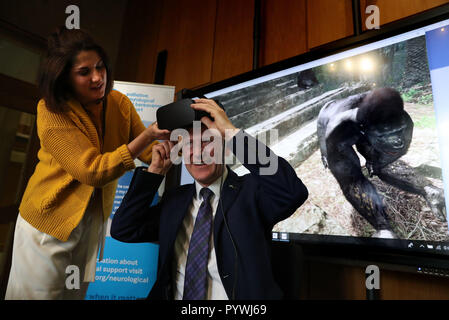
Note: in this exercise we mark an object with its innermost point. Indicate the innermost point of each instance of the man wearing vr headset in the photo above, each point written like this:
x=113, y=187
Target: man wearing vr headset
x=214, y=234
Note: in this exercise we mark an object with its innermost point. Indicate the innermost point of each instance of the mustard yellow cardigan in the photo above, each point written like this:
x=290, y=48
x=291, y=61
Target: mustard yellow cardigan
x=71, y=163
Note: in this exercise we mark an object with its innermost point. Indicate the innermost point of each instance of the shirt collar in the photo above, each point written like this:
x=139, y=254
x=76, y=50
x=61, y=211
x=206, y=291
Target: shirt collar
x=214, y=187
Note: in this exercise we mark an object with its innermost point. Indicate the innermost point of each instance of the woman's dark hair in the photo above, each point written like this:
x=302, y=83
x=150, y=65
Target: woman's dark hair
x=63, y=47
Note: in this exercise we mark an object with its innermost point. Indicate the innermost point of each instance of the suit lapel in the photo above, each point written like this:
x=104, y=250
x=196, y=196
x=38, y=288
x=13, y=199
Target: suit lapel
x=180, y=203
x=231, y=188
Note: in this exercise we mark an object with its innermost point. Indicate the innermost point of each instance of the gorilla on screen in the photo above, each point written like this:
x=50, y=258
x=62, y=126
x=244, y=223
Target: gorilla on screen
x=381, y=130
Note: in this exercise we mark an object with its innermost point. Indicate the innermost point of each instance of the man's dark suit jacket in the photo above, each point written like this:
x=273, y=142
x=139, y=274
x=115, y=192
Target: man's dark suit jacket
x=252, y=205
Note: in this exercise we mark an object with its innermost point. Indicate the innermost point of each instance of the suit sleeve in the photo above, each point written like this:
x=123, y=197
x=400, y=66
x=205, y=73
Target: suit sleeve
x=136, y=220
x=280, y=191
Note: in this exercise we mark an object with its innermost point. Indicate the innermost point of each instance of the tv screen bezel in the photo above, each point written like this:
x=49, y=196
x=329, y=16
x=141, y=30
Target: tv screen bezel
x=354, y=249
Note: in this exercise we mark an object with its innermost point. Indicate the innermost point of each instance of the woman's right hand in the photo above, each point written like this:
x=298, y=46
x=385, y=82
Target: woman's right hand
x=148, y=136
x=160, y=161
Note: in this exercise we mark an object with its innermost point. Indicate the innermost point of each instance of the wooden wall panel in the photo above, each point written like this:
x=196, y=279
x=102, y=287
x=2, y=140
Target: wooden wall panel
x=334, y=281
x=233, y=47
x=187, y=32
x=400, y=285
x=328, y=20
x=148, y=35
x=283, y=30
x=138, y=50
x=398, y=9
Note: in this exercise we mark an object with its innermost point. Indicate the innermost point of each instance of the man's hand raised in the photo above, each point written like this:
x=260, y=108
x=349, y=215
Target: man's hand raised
x=160, y=162
x=221, y=121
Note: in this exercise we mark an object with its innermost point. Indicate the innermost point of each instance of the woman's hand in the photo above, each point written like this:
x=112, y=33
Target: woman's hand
x=160, y=161
x=154, y=133
x=143, y=140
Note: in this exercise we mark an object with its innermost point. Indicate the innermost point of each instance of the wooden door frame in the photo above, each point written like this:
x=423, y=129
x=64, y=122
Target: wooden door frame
x=21, y=96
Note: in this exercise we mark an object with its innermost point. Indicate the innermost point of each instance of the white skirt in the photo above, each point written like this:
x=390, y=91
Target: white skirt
x=40, y=262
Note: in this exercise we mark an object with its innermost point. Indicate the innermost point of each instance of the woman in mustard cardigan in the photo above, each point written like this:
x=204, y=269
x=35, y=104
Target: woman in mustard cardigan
x=89, y=137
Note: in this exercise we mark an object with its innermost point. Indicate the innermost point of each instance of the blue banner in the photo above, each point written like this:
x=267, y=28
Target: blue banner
x=128, y=270
x=437, y=43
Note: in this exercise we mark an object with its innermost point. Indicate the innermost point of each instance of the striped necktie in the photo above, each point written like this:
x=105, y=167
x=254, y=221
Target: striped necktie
x=195, y=281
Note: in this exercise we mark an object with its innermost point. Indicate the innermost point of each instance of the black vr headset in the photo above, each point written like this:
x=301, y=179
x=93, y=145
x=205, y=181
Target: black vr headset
x=180, y=114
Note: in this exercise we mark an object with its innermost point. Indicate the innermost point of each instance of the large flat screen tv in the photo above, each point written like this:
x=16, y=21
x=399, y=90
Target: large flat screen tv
x=287, y=102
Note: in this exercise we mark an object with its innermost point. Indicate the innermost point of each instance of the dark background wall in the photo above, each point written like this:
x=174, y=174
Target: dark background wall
x=102, y=18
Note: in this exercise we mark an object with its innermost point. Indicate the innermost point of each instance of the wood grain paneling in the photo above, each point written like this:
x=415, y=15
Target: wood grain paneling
x=400, y=285
x=334, y=281
x=328, y=20
x=233, y=47
x=283, y=30
x=138, y=45
x=394, y=10
x=187, y=32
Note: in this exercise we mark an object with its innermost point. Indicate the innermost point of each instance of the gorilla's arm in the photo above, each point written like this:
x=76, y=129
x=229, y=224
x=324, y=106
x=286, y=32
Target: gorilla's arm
x=328, y=121
x=358, y=190
x=404, y=177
